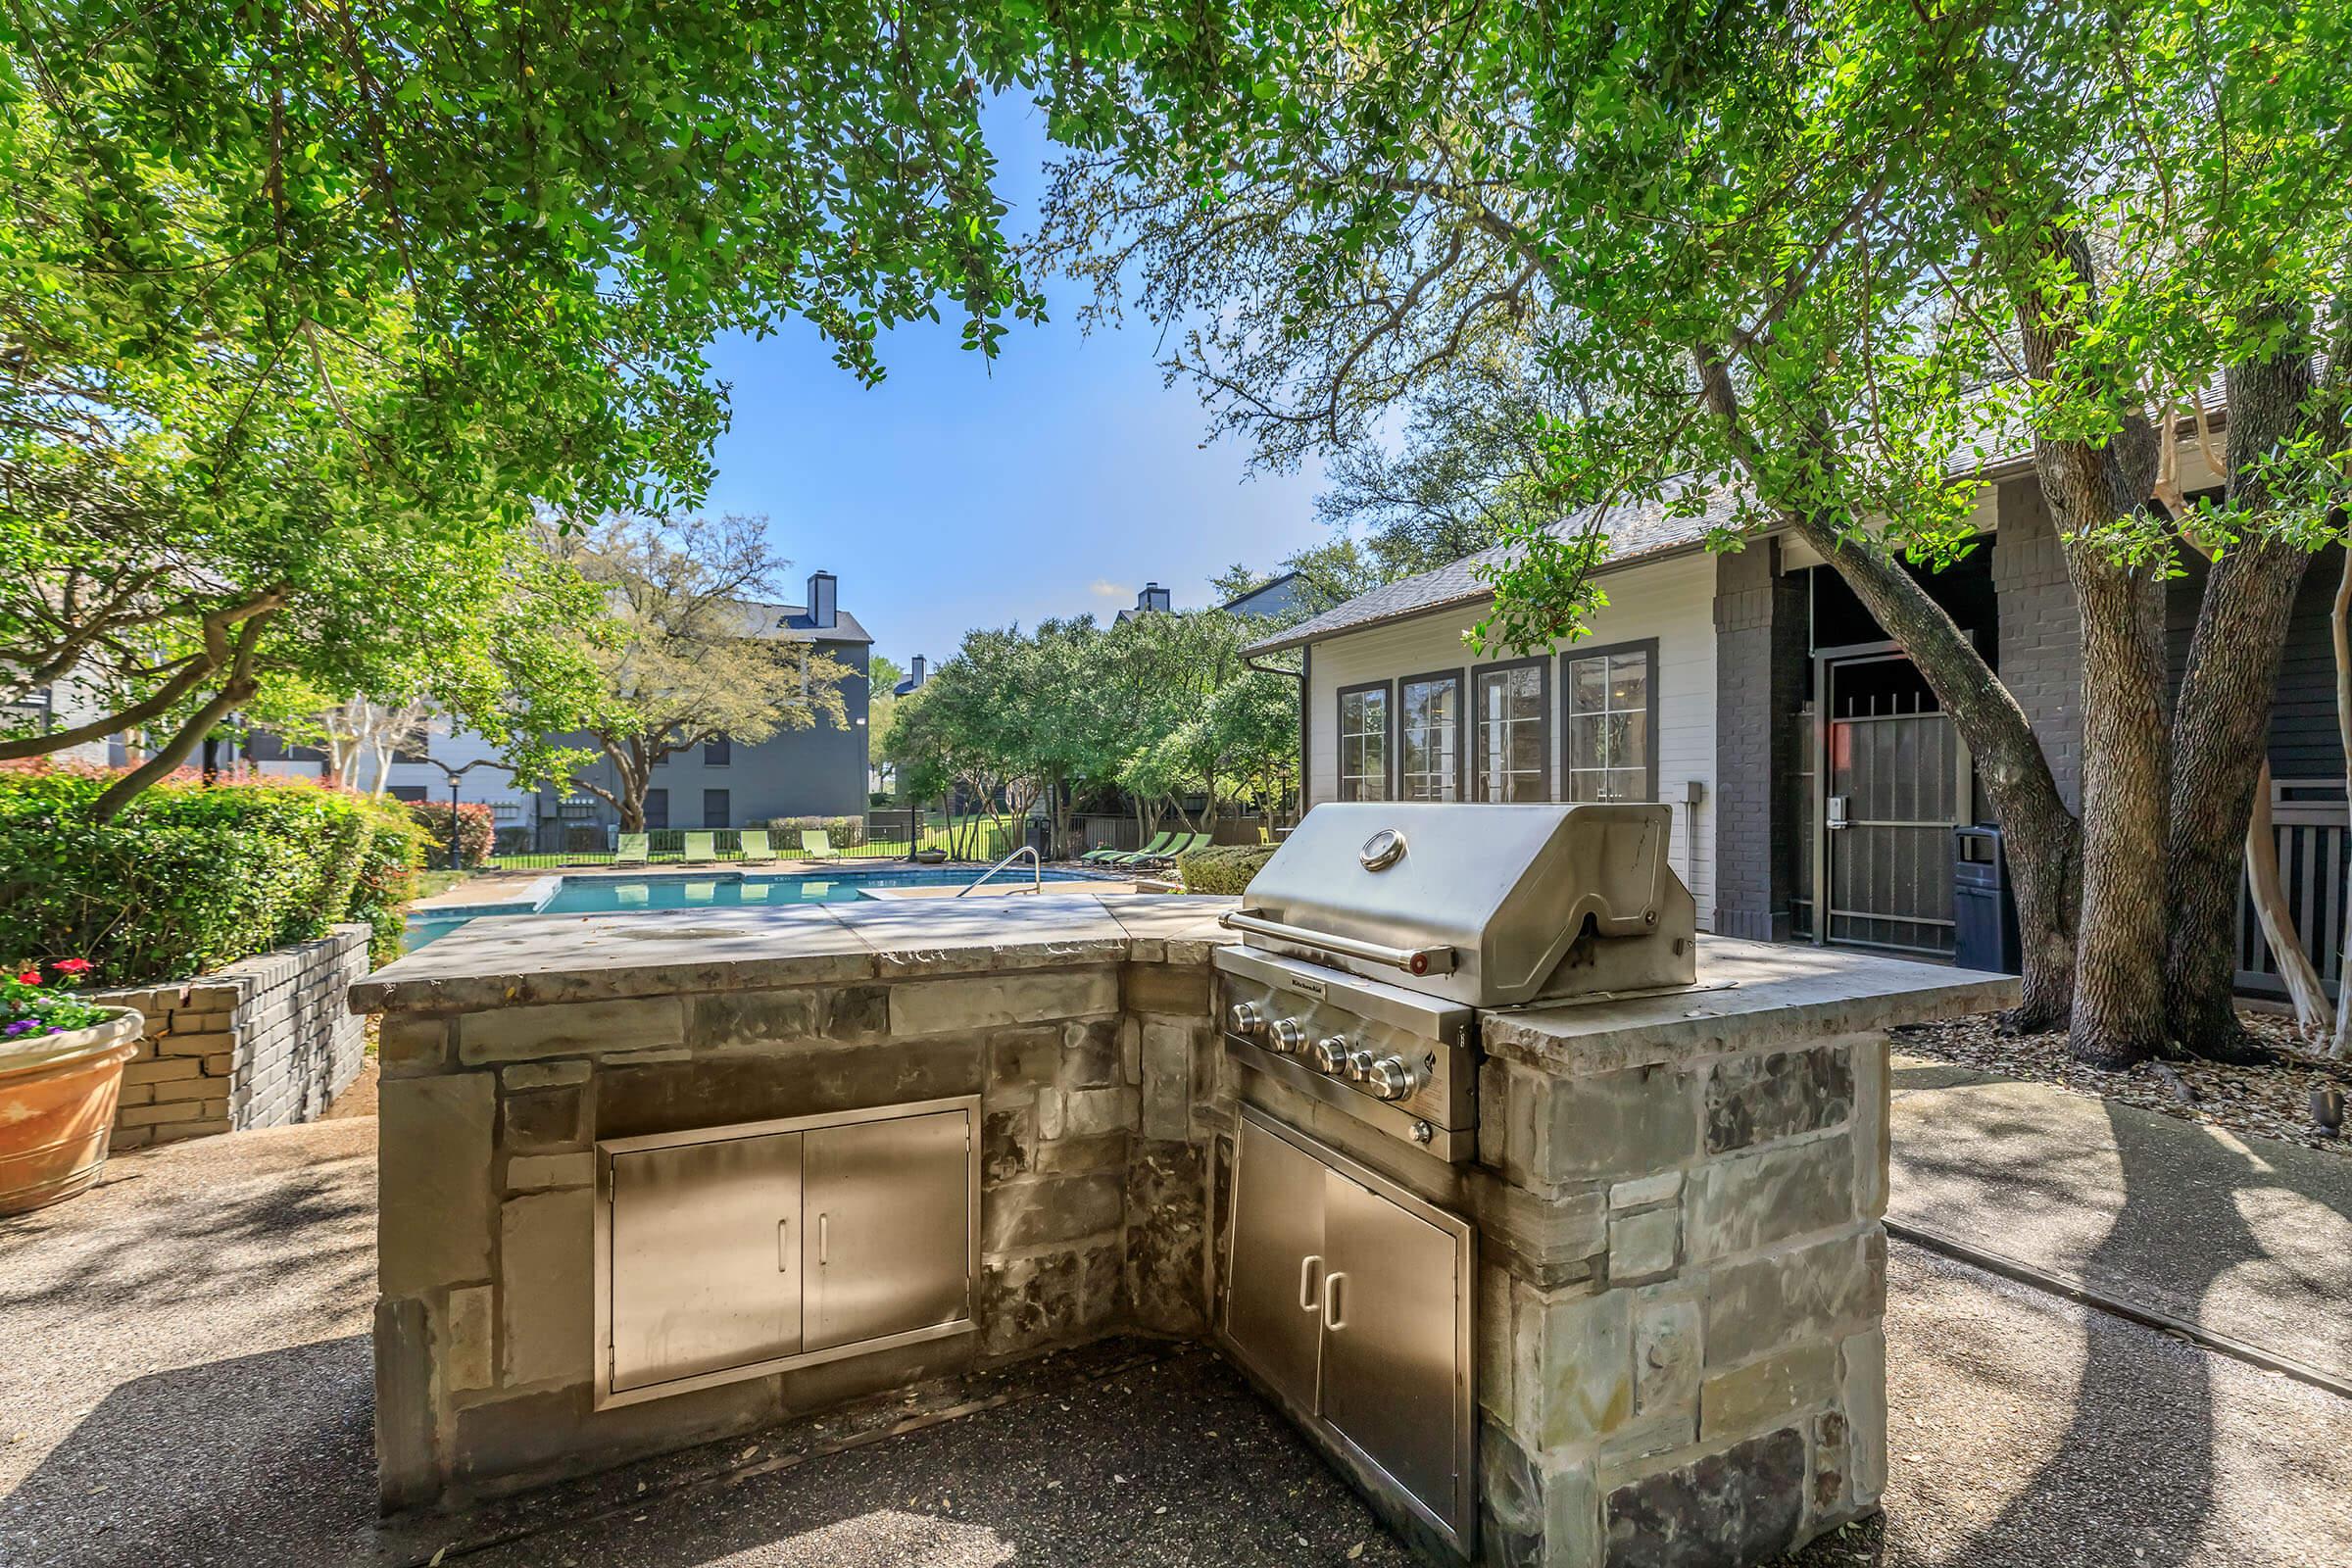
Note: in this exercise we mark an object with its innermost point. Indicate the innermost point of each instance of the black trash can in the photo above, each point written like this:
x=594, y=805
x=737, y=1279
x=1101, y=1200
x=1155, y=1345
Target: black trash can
x=1983, y=908
x=1040, y=837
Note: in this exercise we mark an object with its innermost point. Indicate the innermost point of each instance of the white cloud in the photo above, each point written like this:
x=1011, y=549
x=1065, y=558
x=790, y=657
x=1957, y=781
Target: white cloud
x=1102, y=588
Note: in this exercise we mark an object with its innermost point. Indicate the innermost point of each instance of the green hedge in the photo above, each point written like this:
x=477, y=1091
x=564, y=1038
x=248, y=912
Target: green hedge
x=1222, y=867
x=189, y=876
x=387, y=880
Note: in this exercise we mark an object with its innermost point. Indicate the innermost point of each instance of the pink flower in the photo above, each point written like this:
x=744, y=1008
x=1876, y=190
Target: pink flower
x=31, y=977
x=71, y=966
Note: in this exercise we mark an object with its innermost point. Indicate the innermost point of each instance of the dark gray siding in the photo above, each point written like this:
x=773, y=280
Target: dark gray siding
x=2304, y=744
x=804, y=772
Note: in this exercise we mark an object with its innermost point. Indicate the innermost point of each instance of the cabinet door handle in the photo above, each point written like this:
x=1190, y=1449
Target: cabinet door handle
x=824, y=1232
x=1306, y=1291
x=1333, y=1322
x=784, y=1247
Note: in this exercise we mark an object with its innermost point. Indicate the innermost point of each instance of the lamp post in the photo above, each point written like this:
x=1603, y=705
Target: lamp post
x=457, y=858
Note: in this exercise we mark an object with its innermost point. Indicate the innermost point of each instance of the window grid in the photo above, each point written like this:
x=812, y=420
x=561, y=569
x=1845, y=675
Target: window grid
x=1429, y=755
x=1364, y=743
x=1513, y=732
x=1610, y=724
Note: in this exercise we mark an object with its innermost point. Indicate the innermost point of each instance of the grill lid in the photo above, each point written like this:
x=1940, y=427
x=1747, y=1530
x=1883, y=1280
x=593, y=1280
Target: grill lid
x=1489, y=905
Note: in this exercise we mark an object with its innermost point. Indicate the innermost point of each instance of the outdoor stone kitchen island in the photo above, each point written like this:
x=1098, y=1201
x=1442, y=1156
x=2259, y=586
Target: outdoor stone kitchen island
x=1675, y=1199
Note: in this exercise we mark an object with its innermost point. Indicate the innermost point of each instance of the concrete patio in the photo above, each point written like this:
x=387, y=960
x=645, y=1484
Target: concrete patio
x=187, y=1383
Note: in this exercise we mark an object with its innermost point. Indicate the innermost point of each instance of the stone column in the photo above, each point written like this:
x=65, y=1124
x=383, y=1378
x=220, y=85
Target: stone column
x=1680, y=1360
x=1760, y=649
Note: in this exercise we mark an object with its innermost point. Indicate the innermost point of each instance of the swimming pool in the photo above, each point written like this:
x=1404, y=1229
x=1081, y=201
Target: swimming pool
x=707, y=890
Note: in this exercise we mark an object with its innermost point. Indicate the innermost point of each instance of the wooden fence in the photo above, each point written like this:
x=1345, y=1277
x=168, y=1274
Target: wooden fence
x=2314, y=859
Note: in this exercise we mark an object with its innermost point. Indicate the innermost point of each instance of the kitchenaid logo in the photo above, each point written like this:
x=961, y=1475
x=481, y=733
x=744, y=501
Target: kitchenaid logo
x=1307, y=987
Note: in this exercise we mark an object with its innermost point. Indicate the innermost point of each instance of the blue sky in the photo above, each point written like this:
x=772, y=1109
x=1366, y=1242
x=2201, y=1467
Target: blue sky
x=961, y=493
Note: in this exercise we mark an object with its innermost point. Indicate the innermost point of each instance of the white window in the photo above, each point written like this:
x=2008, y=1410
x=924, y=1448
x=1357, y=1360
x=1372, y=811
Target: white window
x=1512, y=742
x=1364, y=743
x=1611, y=722
x=1429, y=742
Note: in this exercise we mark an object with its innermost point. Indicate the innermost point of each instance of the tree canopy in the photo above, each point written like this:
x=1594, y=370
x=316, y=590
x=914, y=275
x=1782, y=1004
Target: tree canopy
x=1159, y=705
x=303, y=308
x=1814, y=269
x=686, y=646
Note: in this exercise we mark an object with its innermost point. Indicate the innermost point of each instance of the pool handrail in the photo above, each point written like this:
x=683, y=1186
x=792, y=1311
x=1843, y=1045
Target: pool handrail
x=1036, y=863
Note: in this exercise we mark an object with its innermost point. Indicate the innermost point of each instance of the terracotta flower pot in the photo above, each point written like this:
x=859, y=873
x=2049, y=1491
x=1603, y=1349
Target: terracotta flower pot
x=57, y=1108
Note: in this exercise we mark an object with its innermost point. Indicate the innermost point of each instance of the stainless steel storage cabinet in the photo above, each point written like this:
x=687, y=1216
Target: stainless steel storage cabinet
x=1350, y=1297
x=728, y=1253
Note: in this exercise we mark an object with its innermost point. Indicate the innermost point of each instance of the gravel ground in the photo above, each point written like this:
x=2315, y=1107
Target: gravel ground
x=196, y=1392
x=2274, y=1100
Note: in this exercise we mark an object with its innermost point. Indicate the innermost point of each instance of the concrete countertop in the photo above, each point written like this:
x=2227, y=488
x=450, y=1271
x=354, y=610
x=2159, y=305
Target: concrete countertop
x=516, y=960
x=1749, y=994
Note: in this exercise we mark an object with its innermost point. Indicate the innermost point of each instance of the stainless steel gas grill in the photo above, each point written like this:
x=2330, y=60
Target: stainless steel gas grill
x=1372, y=943
x=1375, y=932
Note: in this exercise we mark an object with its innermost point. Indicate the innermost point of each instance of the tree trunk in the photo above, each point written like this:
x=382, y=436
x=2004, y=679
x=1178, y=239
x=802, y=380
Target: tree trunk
x=2222, y=726
x=2219, y=733
x=634, y=774
x=2118, y=1013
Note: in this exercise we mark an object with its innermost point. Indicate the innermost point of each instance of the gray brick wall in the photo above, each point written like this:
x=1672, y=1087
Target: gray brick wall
x=259, y=1043
x=2042, y=630
x=1760, y=652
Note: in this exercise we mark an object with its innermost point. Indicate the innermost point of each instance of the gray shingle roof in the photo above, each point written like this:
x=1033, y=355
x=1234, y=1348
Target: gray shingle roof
x=1637, y=531
x=791, y=623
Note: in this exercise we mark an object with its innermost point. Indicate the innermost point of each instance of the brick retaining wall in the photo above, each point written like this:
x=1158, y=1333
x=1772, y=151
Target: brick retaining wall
x=262, y=1042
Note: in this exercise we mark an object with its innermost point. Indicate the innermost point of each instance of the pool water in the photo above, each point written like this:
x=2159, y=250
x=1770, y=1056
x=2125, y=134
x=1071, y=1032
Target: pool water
x=608, y=895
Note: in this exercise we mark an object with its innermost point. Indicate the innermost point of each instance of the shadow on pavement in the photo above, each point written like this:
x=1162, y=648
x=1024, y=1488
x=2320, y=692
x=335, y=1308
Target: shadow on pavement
x=2148, y=1453
x=266, y=1459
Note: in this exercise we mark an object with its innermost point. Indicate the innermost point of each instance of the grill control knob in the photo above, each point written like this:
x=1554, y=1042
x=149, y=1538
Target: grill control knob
x=1287, y=1035
x=1246, y=1018
x=1331, y=1054
x=1360, y=1066
x=1392, y=1078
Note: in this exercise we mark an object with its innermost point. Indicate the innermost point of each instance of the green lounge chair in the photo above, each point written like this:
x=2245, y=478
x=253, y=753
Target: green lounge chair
x=634, y=849
x=1186, y=844
x=817, y=844
x=633, y=895
x=702, y=847
x=754, y=844
x=1152, y=851
x=1103, y=856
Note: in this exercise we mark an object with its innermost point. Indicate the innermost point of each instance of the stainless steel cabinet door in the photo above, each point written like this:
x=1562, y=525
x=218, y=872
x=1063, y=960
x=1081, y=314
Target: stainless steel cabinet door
x=886, y=1237
x=706, y=1258
x=1390, y=1335
x=1273, y=1301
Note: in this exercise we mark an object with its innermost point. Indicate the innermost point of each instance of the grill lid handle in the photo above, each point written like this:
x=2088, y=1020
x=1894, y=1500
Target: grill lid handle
x=1412, y=960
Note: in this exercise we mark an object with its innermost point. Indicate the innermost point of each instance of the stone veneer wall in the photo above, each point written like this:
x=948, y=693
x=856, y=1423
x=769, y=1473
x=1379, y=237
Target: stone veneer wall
x=262, y=1042
x=1686, y=1364
x=1682, y=1266
x=1092, y=1189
